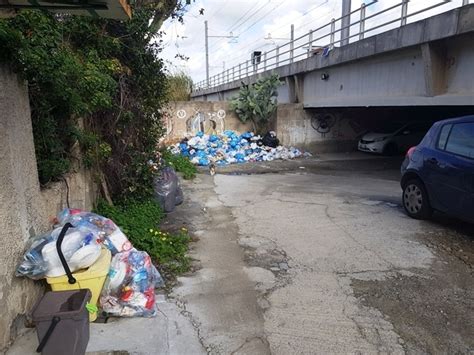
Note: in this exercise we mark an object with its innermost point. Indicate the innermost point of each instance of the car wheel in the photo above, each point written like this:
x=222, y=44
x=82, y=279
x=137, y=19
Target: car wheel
x=415, y=200
x=390, y=149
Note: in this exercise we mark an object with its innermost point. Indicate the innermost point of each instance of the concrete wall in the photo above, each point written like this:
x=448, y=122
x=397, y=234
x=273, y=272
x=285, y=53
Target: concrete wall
x=25, y=208
x=293, y=127
x=180, y=112
x=292, y=124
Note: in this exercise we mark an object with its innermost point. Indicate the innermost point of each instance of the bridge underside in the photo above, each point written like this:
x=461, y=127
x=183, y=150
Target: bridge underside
x=426, y=63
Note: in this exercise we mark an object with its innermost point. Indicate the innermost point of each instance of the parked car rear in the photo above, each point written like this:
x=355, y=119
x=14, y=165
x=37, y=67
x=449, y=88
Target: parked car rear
x=438, y=174
x=393, y=137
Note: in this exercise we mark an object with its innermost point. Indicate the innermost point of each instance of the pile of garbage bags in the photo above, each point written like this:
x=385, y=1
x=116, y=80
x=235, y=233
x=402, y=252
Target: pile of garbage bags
x=129, y=288
x=231, y=147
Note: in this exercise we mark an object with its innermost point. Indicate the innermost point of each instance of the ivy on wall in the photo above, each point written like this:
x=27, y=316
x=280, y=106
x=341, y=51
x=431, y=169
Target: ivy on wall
x=106, y=72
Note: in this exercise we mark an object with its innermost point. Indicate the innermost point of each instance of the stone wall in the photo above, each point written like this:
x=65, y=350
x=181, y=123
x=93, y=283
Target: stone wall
x=25, y=208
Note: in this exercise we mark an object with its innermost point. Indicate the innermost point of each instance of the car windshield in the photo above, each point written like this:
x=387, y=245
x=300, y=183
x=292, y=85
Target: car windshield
x=390, y=127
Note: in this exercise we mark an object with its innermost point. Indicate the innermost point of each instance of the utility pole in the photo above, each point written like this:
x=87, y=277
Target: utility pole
x=292, y=42
x=345, y=22
x=207, y=52
x=206, y=34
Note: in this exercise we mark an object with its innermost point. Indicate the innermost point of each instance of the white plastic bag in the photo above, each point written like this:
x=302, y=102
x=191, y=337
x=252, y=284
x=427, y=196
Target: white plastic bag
x=80, y=247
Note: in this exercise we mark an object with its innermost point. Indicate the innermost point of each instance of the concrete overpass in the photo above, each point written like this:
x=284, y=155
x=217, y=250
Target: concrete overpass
x=423, y=63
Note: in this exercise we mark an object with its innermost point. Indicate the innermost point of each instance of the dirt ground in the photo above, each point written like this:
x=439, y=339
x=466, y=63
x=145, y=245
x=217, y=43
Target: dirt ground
x=433, y=311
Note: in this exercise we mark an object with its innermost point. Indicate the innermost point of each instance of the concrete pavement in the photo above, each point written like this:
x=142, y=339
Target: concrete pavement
x=315, y=258
x=169, y=333
x=333, y=259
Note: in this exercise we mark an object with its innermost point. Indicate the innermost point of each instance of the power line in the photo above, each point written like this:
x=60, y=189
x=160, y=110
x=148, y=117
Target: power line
x=240, y=18
x=218, y=10
x=301, y=16
x=234, y=27
x=252, y=15
x=261, y=18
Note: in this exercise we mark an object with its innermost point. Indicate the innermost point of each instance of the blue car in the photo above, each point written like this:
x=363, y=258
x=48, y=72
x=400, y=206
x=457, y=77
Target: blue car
x=438, y=174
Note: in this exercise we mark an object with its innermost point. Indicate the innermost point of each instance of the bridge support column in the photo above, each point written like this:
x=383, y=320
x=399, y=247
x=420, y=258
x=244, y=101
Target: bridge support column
x=434, y=61
x=295, y=85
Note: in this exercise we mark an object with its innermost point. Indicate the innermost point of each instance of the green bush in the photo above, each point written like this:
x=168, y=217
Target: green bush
x=179, y=86
x=107, y=73
x=139, y=220
x=180, y=164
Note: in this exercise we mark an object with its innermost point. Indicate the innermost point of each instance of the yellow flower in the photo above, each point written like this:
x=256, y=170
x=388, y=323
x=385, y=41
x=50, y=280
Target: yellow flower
x=164, y=238
x=156, y=233
x=184, y=229
x=151, y=230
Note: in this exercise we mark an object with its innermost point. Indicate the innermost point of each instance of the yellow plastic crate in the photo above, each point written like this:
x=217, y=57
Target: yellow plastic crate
x=92, y=278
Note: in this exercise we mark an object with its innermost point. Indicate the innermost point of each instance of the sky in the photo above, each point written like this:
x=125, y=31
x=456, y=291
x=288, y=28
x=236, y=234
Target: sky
x=253, y=22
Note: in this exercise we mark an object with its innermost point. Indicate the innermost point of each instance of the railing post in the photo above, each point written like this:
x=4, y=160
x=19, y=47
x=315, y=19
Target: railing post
x=233, y=73
x=264, y=61
x=333, y=31
x=277, y=56
x=240, y=70
x=310, y=45
x=292, y=43
x=362, y=21
x=404, y=12
x=247, y=67
x=465, y=2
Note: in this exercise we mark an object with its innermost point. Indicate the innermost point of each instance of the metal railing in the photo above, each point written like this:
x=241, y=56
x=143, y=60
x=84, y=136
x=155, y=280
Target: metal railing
x=324, y=38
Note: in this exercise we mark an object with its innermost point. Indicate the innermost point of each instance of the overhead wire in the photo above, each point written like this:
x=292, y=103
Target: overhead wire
x=286, y=24
x=233, y=27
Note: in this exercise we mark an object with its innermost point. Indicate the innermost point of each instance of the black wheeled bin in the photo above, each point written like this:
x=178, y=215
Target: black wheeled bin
x=62, y=322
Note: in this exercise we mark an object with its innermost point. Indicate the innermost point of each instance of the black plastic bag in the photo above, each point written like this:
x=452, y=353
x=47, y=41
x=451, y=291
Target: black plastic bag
x=270, y=139
x=167, y=191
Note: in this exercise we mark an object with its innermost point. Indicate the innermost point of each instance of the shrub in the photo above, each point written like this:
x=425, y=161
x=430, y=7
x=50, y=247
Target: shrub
x=180, y=164
x=179, y=86
x=257, y=102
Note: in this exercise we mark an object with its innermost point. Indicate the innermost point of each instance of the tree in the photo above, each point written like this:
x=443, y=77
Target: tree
x=106, y=72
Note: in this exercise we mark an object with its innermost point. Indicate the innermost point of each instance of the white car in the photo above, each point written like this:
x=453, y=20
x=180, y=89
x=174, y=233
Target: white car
x=394, y=138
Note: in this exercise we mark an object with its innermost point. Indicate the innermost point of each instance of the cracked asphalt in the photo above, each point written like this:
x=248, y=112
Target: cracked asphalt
x=316, y=256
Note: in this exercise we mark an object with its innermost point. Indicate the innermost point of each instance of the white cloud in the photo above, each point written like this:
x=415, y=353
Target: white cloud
x=253, y=20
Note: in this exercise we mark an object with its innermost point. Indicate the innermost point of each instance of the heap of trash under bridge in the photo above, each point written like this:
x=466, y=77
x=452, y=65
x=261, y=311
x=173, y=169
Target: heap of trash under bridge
x=231, y=147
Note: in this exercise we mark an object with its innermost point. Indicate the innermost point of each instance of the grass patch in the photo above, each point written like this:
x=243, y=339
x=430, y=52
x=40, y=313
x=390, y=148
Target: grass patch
x=180, y=164
x=140, y=220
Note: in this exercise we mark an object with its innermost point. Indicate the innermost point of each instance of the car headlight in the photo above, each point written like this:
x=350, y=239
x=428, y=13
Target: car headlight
x=380, y=139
